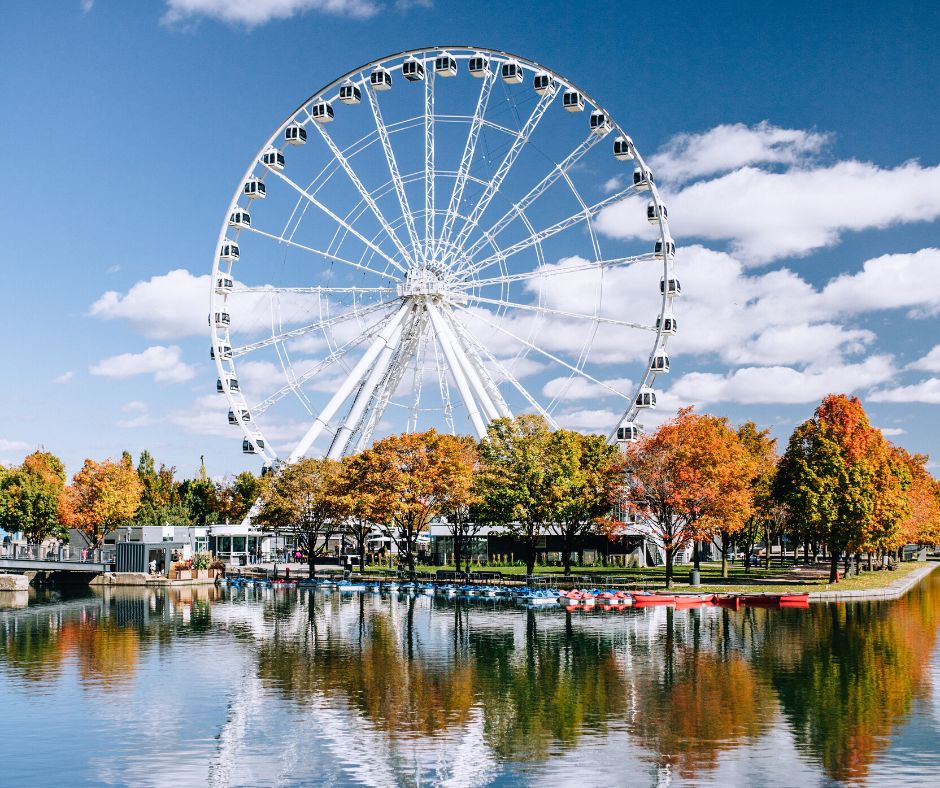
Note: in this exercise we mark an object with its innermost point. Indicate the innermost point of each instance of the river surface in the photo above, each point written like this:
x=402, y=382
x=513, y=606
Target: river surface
x=256, y=687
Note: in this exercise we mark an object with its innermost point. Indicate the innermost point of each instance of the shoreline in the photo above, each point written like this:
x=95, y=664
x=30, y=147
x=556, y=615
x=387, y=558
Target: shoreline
x=894, y=590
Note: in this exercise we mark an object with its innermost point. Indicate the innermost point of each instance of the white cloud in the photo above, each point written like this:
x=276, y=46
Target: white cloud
x=588, y=420
x=578, y=388
x=252, y=13
x=730, y=146
x=890, y=432
x=889, y=282
x=113, y=269
x=930, y=362
x=8, y=445
x=168, y=306
x=164, y=363
x=65, y=377
x=87, y=5
x=926, y=391
x=612, y=184
x=766, y=214
x=784, y=385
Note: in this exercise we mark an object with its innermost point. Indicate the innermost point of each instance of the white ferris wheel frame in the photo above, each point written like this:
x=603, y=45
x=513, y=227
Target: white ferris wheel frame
x=459, y=355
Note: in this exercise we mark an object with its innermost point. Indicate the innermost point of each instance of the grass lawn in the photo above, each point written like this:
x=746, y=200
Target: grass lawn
x=788, y=578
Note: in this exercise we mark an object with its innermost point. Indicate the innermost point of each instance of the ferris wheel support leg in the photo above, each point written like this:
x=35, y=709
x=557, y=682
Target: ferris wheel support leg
x=349, y=384
x=472, y=352
x=364, y=397
x=440, y=328
x=472, y=373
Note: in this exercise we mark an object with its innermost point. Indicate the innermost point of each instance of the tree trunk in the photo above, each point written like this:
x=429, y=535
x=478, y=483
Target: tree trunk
x=833, y=568
x=669, y=551
x=725, y=538
x=697, y=554
x=566, y=553
x=871, y=562
x=767, y=539
x=530, y=556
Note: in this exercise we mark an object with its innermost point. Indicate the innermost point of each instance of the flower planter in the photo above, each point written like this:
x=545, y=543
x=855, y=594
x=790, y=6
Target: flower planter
x=184, y=574
x=201, y=574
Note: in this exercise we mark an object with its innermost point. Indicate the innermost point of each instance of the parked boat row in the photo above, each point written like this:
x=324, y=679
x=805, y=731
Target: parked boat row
x=575, y=599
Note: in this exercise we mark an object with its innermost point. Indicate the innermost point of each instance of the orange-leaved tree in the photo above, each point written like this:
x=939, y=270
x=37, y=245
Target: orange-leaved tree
x=102, y=496
x=686, y=479
x=413, y=478
x=922, y=524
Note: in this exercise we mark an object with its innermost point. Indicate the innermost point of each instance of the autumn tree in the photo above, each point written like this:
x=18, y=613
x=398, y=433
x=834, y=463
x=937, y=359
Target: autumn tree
x=922, y=523
x=519, y=479
x=305, y=499
x=160, y=503
x=765, y=514
x=831, y=473
x=365, y=505
x=686, y=479
x=414, y=478
x=591, y=473
x=715, y=469
x=102, y=496
x=32, y=497
x=235, y=498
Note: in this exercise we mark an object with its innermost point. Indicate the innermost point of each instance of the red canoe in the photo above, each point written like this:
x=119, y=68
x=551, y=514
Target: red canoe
x=732, y=601
x=641, y=598
x=794, y=600
x=692, y=600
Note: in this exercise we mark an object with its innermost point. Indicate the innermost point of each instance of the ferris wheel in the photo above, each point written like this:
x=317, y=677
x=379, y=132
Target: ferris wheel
x=437, y=239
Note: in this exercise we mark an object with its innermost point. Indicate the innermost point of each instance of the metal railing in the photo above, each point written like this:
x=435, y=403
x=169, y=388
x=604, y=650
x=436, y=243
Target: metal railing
x=63, y=553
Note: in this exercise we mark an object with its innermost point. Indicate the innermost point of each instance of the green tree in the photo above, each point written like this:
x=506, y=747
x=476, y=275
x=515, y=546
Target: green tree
x=32, y=497
x=589, y=472
x=828, y=476
x=764, y=515
x=519, y=485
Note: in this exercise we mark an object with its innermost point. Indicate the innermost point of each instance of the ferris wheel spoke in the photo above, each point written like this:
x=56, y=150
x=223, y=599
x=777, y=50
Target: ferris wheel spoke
x=463, y=171
x=360, y=187
x=393, y=170
x=544, y=352
x=315, y=370
x=418, y=383
x=294, y=333
x=338, y=219
x=540, y=273
x=527, y=243
x=429, y=202
x=320, y=253
x=443, y=382
x=473, y=374
x=560, y=312
x=472, y=351
x=382, y=339
x=492, y=187
x=534, y=193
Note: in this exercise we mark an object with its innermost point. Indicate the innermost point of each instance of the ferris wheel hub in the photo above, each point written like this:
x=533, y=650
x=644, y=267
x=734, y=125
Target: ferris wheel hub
x=423, y=281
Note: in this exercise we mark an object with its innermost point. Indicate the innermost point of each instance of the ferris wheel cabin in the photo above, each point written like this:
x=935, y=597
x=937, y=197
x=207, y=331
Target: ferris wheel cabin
x=248, y=446
x=221, y=351
x=229, y=251
x=226, y=384
x=659, y=362
x=658, y=249
x=642, y=178
x=349, y=93
x=623, y=149
x=654, y=210
x=628, y=432
x=380, y=79
x=222, y=319
x=572, y=101
x=224, y=285
x=543, y=84
x=322, y=112
x=295, y=134
x=445, y=65
x=239, y=219
x=273, y=159
x=412, y=70
x=512, y=72
x=646, y=398
x=600, y=123
x=233, y=418
x=478, y=65
x=254, y=189
x=668, y=322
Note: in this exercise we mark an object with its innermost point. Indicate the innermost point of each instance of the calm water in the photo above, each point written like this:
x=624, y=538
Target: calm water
x=257, y=687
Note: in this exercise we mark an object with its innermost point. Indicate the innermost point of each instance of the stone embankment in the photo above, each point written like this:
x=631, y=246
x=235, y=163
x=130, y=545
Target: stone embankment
x=13, y=582
x=893, y=590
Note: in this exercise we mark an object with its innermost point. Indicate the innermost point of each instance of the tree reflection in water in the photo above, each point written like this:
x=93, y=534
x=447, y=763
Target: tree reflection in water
x=679, y=690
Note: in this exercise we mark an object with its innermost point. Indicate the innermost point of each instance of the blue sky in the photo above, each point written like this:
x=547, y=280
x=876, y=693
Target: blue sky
x=796, y=148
